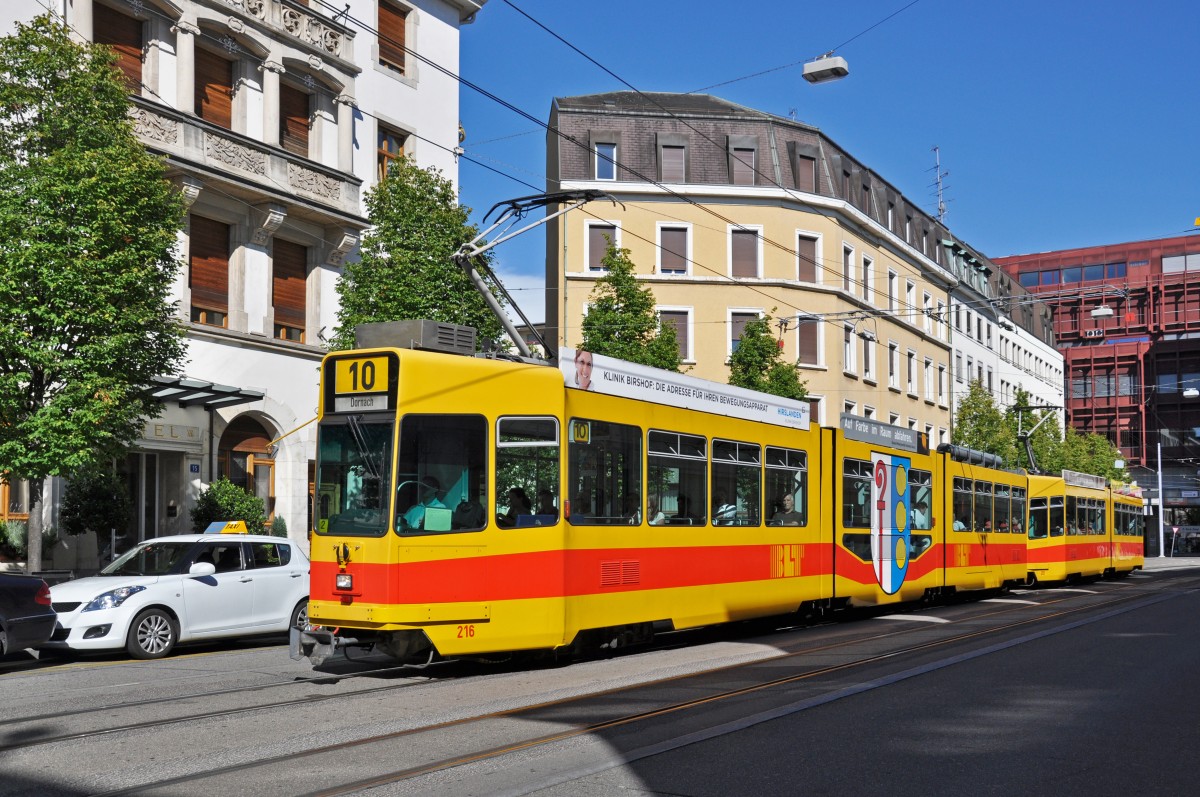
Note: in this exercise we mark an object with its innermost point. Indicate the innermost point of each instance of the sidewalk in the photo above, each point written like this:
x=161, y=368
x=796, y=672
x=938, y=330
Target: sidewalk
x=1171, y=562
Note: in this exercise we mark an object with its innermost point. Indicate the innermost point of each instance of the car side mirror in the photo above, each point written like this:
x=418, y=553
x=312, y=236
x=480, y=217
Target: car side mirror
x=202, y=569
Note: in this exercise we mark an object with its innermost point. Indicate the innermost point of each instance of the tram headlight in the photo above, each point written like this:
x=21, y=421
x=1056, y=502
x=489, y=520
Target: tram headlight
x=344, y=581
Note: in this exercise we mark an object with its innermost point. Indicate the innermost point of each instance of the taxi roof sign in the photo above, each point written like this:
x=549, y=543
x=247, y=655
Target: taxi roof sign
x=227, y=527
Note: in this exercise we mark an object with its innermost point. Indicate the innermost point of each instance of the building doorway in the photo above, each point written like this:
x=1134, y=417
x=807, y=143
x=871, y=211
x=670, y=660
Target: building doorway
x=244, y=457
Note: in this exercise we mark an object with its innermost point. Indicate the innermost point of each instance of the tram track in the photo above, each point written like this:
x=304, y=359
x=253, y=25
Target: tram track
x=1108, y=605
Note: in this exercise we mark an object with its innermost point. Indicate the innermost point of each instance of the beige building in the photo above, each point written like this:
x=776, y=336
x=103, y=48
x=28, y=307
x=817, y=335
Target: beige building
x=731, y=214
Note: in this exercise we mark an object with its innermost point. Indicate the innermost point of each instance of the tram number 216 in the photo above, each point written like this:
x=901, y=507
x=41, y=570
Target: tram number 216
x=466, y=631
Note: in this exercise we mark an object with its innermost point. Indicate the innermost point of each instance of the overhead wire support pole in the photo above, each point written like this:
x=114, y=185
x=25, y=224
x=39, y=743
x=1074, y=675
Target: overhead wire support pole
x=514, y=210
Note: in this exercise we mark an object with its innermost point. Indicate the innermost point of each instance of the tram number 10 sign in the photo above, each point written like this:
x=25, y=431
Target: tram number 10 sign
x=362, y=384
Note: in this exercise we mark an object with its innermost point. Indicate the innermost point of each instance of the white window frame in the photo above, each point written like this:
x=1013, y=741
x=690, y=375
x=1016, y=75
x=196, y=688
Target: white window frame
x=868, y=273
x=819, y=253
x=691, y=332
x=869, y=358
x=927, y=311
x=848, y=269
x=893, y=290
x=673, y=225
x=910, y=302
x=849, y=354
x=928, y=379
x=587, y=238
x=910, y=360
x=599, y=161
x=729, y=314
x=894, y=365
x=757, y=229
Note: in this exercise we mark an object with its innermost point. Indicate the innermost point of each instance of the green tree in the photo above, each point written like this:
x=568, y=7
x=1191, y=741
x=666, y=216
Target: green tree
x=224, y=501
x=979, y=424
x=88, y=229
x=95, y=500
x=1088, y=452
x=621, y=321
x=405, y=270
x=758, y=363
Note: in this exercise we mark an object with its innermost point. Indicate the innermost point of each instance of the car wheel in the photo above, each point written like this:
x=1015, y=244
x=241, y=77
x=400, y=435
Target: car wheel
x=152, y=635
x=299, y=615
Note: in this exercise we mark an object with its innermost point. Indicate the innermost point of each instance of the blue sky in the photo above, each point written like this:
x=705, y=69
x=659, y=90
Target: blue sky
x=1061, y=124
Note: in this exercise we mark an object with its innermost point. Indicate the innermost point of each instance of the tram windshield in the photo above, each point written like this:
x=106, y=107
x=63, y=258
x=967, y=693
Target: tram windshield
x=354, y=474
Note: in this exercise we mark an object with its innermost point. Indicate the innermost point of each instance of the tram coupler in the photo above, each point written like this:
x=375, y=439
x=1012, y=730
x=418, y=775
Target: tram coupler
x=317, y=643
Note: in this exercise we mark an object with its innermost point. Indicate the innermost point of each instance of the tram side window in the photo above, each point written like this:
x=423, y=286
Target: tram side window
x=856, y=492
x=1096, y=516
x=678, y=465
x=983, y=506
x=1017, y=522
x=963, y=495
x=920, y=498
x=1039, y=518
x=354, y=474
x=441, y=474
x=736, y=483
x=1073, y=516
x=1003, y=508
x=604, y=473
x=527, y=469
x=1056, y=516
x=787, y=484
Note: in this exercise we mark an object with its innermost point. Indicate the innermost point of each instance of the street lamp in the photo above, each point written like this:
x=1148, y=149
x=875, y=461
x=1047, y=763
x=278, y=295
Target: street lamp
x=825, y=68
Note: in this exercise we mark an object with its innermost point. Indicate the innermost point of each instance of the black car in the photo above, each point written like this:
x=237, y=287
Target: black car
x=26, y=617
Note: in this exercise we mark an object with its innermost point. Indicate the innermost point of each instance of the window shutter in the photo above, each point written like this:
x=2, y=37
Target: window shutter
x=806, y=174
x=677, y=321
x=673, y=242
x=808, y=333
x=288, y=282
x=744, y=250
x=806, y=248
x=209, y=264
x=743, y=166
x=294, y=120
x=598, y=239
x=214, y=88
x=124, y=35
x=392, y=22
x=672, y=165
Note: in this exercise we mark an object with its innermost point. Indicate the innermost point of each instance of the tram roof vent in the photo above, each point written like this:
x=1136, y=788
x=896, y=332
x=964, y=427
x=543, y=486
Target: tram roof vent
x=419, y=334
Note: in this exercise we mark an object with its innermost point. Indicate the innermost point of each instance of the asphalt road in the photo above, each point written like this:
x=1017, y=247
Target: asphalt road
x=1079, y=690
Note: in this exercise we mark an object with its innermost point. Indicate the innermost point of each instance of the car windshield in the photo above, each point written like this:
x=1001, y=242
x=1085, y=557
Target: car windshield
x=148, y=559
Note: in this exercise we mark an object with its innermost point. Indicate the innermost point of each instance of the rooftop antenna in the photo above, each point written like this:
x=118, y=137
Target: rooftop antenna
x=941, y=175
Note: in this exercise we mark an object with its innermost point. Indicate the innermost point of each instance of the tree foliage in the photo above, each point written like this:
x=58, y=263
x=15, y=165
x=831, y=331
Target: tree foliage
x=97, y=501
x=621, y=321
x=405, y=270
x=758, y=363
x=1088, y=452
x=1047, y=438
x=88, y=229
x=224, y=501
x=979, y=424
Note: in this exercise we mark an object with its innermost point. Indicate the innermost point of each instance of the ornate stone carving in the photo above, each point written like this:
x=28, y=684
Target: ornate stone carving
x=309, y=28
x=235, y=155
x=267, y=219
x=342, y=242
x=314, y=183
x=148, y=124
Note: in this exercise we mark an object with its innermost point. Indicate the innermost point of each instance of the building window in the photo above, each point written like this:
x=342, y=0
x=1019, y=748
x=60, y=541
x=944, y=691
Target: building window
x=868, y=359
x=208, y=271
x=809, y=333
x=891, y=289
x=894, y=418
x=743, y=165
x=124, y=35
x=958, y=366
x=600, y=236
x=848, y=364
x=295, y=119
x=672, y=164
x=737, y=325
x=391, y=148
x=941, y=384
x=214, y=88
x=848, y=407
x=894, y=365
x=288, y=289
x=928, y=379
x=868, y=280
x=869, y=413
x=743, y=252
x=680, y=321
x=606, y=161
x=393, y=22
x=912, y=373
x=806, y=174
x=941, y=320
x=806, y=254
x=848, y=269
x=910, y=301
x=674, y=249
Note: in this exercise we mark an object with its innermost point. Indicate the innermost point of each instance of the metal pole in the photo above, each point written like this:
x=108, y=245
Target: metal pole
x=1162, y=549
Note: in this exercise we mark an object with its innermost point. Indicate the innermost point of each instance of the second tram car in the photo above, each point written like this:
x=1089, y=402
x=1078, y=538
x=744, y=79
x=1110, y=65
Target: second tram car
x=469, y=506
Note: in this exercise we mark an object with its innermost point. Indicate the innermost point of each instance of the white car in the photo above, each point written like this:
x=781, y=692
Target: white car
x=177, y=589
